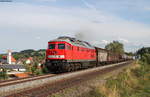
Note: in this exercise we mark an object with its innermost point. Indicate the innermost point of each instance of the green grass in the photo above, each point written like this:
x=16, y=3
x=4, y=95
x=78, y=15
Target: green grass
x=93, y=93
x=132, y=82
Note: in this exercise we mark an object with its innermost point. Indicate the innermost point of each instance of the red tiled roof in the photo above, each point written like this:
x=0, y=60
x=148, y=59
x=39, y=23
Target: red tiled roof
x=13, y=59
x=30, y=58
x=4, y=57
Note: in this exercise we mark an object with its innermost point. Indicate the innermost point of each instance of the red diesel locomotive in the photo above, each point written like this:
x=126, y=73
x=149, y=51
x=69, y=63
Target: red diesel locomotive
x=67, y=54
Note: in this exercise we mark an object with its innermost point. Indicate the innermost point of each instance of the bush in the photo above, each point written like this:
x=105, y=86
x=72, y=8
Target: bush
x=3, y=75
x=146, y=58
x=44, y=69
x=38, y=72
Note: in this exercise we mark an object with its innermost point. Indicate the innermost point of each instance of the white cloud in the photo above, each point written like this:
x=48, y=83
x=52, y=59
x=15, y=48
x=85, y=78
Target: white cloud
x=105, y=42
x=123, y=40
x=147, y=44
x=147, y=8
x=47, y=21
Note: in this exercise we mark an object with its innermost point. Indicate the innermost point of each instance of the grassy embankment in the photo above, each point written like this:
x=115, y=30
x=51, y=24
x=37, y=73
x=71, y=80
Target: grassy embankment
x=133, y=82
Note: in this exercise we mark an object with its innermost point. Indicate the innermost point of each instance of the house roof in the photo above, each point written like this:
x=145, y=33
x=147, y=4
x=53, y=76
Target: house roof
x=30, y=58
x=4, y=57
x=6, y=66
x=13, y=59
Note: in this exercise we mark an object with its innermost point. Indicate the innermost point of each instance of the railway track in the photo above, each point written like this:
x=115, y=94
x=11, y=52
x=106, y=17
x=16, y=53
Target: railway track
x=42, y=86
x=21, y=80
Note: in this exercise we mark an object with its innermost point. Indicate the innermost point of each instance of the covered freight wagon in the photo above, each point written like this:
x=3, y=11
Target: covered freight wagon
x=113, y=57
x=101, y=56
x=104, y=56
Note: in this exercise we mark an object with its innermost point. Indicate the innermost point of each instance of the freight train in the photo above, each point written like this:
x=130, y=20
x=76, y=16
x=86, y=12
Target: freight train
x=66, y=54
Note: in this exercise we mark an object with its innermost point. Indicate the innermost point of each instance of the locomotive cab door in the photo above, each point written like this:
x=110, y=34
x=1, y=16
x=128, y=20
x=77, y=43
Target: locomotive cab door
x=68, y=52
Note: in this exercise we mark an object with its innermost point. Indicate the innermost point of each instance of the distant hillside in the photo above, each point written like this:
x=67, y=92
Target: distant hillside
x=28, y=53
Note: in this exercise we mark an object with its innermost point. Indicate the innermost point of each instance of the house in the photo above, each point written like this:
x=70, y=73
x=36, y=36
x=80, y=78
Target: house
x=13, y=67
x=13, y=60
x=3, y=60
x=29, y=60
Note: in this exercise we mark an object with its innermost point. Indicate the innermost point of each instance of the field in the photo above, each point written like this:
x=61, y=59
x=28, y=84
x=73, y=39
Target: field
x=132, y=82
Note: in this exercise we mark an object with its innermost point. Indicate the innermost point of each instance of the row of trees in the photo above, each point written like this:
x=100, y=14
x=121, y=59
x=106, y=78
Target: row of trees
x=118, y=47
x=143, y=54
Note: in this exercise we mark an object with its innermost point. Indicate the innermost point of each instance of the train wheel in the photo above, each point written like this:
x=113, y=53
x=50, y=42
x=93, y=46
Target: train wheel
x=75, y=66
x=72, y=68
x=68, y=68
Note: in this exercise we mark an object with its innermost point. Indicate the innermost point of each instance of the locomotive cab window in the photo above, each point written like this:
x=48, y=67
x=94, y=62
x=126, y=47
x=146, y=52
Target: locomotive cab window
x=61, y=46
x=51, y=46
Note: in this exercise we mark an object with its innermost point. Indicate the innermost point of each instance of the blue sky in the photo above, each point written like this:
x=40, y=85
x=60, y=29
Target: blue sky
x=30, y=24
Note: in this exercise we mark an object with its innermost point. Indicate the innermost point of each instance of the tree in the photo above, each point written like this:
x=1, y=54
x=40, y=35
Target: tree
x=1, y=56
x=16, y=56
x=144, y=54
x=142, y=51
x=116, y=47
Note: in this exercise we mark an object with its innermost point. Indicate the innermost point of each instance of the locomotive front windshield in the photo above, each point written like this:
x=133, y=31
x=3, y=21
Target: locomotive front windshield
x=61, y=46
x=51, y=46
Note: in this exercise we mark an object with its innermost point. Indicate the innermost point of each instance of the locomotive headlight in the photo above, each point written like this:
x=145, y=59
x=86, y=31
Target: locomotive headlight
x=56, y=56
x=61, y=56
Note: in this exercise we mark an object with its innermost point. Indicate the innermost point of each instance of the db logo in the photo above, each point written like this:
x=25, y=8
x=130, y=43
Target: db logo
x=53, y=52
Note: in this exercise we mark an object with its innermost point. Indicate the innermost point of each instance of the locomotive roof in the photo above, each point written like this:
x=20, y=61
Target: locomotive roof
x=74, y=41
